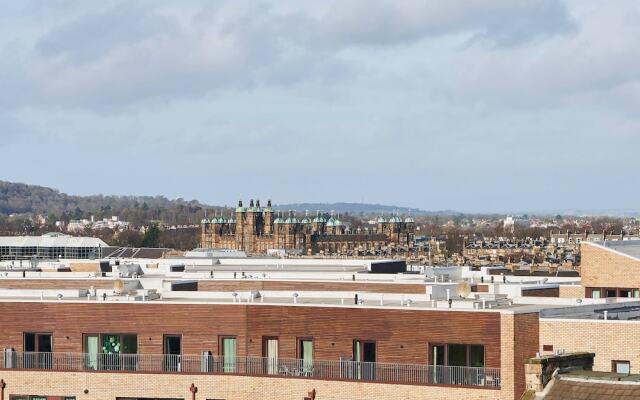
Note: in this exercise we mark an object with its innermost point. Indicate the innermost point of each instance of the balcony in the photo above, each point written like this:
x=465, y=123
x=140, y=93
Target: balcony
x=256, y=366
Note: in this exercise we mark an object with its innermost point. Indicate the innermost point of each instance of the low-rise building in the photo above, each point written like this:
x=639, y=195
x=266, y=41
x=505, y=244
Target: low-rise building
x=50, y=246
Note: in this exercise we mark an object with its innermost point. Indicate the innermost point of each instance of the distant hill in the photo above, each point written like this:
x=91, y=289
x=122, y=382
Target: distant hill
x=23, y=198
x=20, y=198
x=356, y=208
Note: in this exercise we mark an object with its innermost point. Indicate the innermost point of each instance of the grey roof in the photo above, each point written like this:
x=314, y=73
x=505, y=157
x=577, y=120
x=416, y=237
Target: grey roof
x=628, y=247
x=51, y=241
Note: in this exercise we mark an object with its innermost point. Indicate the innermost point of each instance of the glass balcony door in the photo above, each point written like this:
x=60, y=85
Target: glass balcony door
x=364, y=356
x=172, y=352
x=270, y=353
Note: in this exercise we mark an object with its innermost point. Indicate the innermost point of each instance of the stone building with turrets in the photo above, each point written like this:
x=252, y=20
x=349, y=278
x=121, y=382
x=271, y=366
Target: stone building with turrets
x=256, y=229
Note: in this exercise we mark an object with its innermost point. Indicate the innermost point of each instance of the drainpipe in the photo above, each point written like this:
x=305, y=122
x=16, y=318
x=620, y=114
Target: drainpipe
x=193, y=389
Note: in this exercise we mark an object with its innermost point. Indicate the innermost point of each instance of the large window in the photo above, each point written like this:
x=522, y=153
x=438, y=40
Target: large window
x=364, y=353
x=228, y=353
x=110, y=351
x=37, y=350
x=270, y=354
x=450, y=362
x=172, y=352
x=599, y=292
x=456, y=355
x=305, y=354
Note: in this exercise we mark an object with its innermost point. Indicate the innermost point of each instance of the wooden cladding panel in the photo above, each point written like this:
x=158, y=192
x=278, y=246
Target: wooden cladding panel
x=226, y=285
x=348, y=286
x=401, y=336
x=545, y=292
x=55, y=283
x=199, y=325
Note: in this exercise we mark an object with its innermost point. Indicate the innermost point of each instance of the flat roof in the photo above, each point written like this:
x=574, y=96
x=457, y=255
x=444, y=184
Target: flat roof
x=286, y=302
x=51, y=241
x=616, y=310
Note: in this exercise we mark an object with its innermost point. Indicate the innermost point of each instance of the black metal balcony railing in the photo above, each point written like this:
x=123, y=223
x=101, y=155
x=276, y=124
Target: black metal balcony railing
x=256, y=366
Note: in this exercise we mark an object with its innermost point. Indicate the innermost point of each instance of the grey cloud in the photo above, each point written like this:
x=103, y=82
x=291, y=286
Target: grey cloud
x=93, y=34
x=405, y=21
x=125, y=53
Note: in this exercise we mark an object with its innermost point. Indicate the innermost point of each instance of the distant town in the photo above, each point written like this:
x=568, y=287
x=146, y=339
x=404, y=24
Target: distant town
x=515, y=241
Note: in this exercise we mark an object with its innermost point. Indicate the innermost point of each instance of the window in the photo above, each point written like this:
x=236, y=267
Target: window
x=364, y=354
x=270, y=353
x=305, y=354
x=624, y=293
x=37, y=350
x=437, y=354
x=595, y=293
x=476, y=355
x=110, y=351
x=459, y=355
x=37, y=342
x=172, y=352
x=445, y=360
x=228, y=353
x=621, y=367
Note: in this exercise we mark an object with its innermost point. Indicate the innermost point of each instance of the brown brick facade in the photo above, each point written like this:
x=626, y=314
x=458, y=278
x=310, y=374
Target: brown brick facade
x=401, y=336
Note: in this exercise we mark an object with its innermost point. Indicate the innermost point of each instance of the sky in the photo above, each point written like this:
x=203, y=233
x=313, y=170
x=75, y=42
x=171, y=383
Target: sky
x=475, y=106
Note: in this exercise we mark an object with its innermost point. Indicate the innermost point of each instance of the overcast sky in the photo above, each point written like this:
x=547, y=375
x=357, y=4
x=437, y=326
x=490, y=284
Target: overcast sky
x=472, y=105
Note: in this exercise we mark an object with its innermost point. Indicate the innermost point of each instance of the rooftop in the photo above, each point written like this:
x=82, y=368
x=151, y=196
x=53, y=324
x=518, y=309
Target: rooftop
x=51, y=240
x=591, y=385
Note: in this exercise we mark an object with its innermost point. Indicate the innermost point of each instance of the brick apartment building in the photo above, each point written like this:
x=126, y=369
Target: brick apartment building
x=611, y=269
x=94, y=349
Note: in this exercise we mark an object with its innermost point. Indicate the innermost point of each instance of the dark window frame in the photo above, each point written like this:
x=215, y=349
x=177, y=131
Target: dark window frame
x=100, y=334
x=164, y=342
x=36, y=335
x=299, y=346
x=220, y=347
x=430, y=346
x=265, y=339
x=363, y=342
